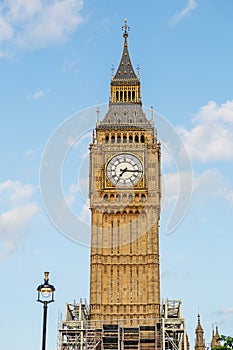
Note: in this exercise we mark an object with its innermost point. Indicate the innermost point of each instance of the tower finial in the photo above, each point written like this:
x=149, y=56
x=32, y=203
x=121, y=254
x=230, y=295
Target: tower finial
x=138, y=71
x=112, y=69
x=152, y=113
x=125, y=28
x=97, y=113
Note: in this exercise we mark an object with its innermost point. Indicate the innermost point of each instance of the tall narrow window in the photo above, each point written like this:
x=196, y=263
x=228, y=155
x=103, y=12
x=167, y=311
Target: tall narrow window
x=118, y=237
x=131, y=285
x=153, y=289
x=112, y=139
x=112, y=236
x=137, y=282
x=118, y=284
x=118, y=138
x=97, y=238
x=111, y=285
x=130, y=236
x=130, y=138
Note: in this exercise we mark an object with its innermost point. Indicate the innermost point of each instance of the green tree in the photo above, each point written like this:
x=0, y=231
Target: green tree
x=226, y=343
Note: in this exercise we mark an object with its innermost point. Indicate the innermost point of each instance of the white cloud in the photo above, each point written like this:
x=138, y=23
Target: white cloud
x=171, y=186
x=211, y=139
x=85, y=215
x=6, y=31
x=21, y=10
x=210, y=184
x=15, y=192
x=17, y=209
x=191, y=6
x=38, y=23
x=72, y=194
x=37, y=94
x=15, y=219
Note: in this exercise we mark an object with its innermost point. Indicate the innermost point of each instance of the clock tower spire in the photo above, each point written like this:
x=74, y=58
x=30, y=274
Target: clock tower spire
x=125, y=84
x=125, y=104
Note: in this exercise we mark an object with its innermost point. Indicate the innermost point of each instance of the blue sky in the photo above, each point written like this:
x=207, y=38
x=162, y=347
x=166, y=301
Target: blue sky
x=55, y=61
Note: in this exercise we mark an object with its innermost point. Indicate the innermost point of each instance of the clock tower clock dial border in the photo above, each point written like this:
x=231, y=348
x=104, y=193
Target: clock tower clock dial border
x=124, y=170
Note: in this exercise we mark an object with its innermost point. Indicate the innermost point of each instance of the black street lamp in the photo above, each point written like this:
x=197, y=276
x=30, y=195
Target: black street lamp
x=45, y=296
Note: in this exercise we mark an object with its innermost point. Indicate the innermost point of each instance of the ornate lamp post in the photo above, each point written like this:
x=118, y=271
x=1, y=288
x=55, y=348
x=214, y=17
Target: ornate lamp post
x=45, y=296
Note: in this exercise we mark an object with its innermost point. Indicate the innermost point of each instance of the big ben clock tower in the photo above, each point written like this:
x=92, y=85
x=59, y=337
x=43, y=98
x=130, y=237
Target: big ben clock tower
x=125, y=206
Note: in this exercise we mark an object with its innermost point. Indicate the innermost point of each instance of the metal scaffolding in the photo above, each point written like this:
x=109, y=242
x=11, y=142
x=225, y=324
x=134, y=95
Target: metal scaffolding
x=77, y=332
x=174, y=336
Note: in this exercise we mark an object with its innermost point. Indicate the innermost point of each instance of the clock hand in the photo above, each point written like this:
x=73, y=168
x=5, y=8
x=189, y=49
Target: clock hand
x=133, y=171
x=122, y=171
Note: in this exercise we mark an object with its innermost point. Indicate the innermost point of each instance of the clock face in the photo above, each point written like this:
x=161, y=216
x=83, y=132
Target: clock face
x=124, y=170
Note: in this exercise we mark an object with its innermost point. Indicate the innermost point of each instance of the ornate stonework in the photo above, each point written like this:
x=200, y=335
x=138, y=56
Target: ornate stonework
x=125, y=206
